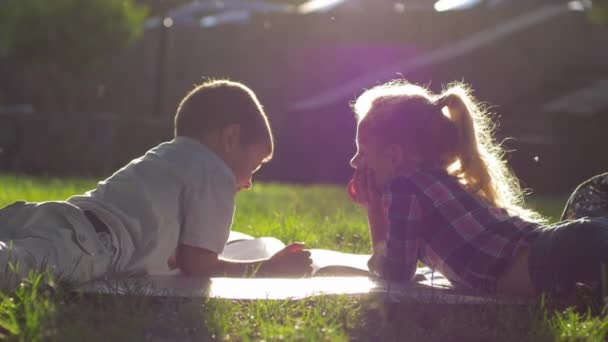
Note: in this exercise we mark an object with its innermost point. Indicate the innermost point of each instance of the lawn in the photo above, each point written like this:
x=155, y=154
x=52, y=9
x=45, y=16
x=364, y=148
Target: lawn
x=320, y=215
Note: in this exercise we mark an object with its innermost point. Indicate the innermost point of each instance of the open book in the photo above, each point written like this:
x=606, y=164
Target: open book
x=324, y=262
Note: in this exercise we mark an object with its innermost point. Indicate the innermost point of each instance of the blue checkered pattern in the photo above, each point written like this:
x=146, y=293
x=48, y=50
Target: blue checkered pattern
x=434, y=219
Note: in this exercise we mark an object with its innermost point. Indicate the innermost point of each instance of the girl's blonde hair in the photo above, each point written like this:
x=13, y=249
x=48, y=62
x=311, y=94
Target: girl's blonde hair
x=449, y=131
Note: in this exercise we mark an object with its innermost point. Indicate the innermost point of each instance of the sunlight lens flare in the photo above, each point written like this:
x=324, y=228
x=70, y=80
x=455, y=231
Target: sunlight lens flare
x=318, y=6
x=450, y=5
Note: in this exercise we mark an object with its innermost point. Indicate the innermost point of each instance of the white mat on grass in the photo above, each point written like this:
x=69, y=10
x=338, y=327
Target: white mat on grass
x=424, y=291
x=337, y=273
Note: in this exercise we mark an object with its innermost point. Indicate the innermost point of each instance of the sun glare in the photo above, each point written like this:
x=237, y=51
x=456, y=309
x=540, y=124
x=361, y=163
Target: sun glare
x=449, y=5
x=318, y=5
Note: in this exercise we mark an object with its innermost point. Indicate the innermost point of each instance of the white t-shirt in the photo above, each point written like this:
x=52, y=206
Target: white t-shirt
x=178, y=192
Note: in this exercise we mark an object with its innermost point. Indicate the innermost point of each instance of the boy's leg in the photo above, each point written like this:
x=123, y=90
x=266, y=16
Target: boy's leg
x=590, y=199
x=53, y=236
x=22, y=256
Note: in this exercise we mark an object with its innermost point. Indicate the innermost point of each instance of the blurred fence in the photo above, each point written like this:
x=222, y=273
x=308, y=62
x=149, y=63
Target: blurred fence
x=92, y=144
x=306, y=69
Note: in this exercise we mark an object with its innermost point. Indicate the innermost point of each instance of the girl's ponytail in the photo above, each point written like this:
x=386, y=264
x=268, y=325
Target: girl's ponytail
x=470, y=149
x=481, y=166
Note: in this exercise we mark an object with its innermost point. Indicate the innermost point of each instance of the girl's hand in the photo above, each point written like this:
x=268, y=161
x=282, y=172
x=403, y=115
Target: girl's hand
x=373, y=193
x=364, y=190
x=357, y=187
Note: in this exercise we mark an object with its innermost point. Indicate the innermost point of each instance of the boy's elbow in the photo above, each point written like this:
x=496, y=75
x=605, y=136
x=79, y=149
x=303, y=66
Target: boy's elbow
x=196, y=262
x=195, y=272
x=191, y=269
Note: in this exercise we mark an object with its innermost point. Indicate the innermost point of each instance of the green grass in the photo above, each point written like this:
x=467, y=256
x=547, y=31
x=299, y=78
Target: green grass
x=321, y=216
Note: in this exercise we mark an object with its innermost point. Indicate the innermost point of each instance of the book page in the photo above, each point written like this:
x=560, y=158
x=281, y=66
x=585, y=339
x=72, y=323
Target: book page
x=252, y=249
x=238, y=236
x=334, y=262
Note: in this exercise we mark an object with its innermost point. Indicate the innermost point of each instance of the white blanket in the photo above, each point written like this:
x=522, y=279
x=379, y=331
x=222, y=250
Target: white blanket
x=431, y=287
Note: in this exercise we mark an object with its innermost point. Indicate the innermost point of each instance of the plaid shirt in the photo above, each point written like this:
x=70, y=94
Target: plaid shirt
x=432, y=218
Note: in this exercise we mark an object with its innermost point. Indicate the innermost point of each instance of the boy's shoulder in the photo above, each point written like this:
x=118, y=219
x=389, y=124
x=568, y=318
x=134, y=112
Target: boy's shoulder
x=187, y=150
x=182, y=146
x=190, y=158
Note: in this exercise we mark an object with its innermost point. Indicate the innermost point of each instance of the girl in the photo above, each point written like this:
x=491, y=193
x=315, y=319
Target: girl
x=437, y=189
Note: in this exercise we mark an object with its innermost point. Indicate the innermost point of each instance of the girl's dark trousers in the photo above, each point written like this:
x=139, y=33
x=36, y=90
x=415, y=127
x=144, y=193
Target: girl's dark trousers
x=574, y=250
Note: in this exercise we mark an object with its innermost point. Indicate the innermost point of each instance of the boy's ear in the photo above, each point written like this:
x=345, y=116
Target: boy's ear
x=230, y=137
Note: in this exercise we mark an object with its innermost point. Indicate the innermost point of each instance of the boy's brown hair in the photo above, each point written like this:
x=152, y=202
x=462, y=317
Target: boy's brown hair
x=216, y=104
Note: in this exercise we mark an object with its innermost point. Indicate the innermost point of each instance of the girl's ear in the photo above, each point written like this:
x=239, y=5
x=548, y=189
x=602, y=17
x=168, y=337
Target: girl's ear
x=230, y=137
x=401, y=157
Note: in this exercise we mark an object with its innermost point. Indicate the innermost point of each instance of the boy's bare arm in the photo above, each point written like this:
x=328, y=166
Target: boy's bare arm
x=290, y=262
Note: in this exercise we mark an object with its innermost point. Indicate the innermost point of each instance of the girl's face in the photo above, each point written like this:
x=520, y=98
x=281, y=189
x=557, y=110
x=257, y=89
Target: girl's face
x=386, y=160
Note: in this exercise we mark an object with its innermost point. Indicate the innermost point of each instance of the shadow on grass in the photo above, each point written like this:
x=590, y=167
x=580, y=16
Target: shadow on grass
x=132, y=318
x=576, y=318
x=452, y=322
x=42, y=310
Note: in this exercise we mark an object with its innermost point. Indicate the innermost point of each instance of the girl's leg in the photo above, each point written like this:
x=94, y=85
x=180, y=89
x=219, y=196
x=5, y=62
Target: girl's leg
x=568, y=253
x=7, y=216
x=590, y=199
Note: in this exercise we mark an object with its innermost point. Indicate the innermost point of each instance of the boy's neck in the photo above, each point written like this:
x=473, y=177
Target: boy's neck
x=211, y=141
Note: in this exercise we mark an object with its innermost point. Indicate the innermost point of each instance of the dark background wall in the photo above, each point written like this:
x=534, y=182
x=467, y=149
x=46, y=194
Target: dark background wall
x=514, y=57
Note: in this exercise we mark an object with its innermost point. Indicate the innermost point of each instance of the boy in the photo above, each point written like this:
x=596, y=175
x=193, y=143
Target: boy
x=171, y=208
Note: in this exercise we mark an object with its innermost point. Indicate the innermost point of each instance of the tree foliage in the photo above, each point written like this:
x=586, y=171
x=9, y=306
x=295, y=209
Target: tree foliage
x=159, y=7
x=58, y=42
x=599, y=11
x=71, y=35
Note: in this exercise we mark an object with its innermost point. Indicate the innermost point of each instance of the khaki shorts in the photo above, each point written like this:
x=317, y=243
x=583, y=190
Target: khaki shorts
x=51, y=236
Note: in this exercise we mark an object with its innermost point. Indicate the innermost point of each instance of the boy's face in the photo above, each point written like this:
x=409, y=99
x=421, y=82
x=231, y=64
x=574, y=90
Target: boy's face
x=243, y=160
x=247, y=161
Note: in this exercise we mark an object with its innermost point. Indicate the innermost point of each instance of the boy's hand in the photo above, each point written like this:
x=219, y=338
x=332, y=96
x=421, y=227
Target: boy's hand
x=172, y=262
x=291, y=261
